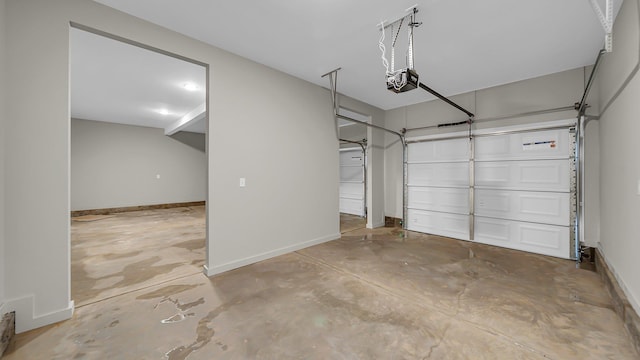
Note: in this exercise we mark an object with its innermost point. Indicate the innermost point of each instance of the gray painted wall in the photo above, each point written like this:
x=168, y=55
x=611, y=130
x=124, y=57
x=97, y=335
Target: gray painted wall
x=619, y=163
x=195, y=140
x=2, y=151
x=289, y=174
x=546, y=92
x=354, y=132
x=114, y=165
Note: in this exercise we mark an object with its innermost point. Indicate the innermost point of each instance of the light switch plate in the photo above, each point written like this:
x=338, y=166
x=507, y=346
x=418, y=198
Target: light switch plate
x=243, y=182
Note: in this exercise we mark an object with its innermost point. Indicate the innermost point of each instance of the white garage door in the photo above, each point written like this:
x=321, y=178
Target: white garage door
x=352, y=182
x=521, y=195
x=438, y=188
x=522, y=191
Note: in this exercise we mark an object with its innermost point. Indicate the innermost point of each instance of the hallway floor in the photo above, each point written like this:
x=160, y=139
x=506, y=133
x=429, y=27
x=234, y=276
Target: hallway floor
x=373, y=294
x=119, y=253
x=350, y=222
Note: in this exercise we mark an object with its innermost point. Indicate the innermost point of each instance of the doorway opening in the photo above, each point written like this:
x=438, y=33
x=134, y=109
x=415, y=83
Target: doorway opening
x=139, y=160
x=353, y=171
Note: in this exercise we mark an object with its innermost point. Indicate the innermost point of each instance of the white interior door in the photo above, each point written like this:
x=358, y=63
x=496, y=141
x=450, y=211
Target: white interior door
x=352, y=182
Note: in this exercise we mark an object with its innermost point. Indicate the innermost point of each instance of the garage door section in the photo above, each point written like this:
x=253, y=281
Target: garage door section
x=352, y=182
x=438, y=187
x=520, y=195
x=523, y=191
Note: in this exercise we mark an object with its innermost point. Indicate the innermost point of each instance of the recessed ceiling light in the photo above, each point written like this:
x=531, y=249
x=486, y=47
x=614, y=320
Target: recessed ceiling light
x=190, y=86
x=163, y=111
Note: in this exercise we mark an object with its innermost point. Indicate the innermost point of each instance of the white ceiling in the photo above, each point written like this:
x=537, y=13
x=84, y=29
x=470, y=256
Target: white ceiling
x=463, y=45
x=116, y=82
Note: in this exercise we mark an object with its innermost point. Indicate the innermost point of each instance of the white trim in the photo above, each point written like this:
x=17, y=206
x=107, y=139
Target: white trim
x=26, y=317
x=217, y=269
x=343, y=123
x=352, y=197
x=438, y=136
x=523, y=127
x=526, y=127
x=193, y=116
x=375, y=225
x=635, y=304
x=354, y=115
x=351, y=149
x=205, y=270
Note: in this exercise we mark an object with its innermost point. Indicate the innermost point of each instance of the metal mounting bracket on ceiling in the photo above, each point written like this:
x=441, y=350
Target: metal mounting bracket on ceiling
x=403, y=79
x=333, y=83
x=606, y=20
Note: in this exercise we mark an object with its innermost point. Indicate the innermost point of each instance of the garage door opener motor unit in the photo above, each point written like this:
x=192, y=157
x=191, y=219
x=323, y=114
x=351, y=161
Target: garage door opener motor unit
x=407, y=78
x=404, y=79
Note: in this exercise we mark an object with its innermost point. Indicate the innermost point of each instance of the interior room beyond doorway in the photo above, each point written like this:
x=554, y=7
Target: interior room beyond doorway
x=118, y=253
x=353, y=171
x=138, y=167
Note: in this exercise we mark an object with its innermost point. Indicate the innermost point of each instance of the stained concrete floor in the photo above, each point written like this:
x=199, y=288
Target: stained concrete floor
x=350, y=222
x=374, y=294
x=123, y=252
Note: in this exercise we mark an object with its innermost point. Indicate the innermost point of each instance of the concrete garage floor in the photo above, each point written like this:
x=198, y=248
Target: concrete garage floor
x=374, y=294
x=350, y=222
x=115, y=254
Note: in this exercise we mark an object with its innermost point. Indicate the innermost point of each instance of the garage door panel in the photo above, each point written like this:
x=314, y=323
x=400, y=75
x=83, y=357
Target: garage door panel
x=491, y=147
x=541, y=207
x=351, y=158
x=538, y=238
x=495, y=174
x=352, y=187
x=437, y=223
x=352, y=190
x=439, y=174
x=492, y=202
x=544, y=173
x=492, y=231
x=439, y=199
x=540, y=175
x=352, y=206
x=351, y=173
x=548, y=144
x=439, y=151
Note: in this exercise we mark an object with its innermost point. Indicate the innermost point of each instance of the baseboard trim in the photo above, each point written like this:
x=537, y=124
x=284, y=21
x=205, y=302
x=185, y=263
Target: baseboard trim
x=206, y=271
x=27, y=319
x=217, y=269
x=375, y=225
x=107, y=211
x=621, y=303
